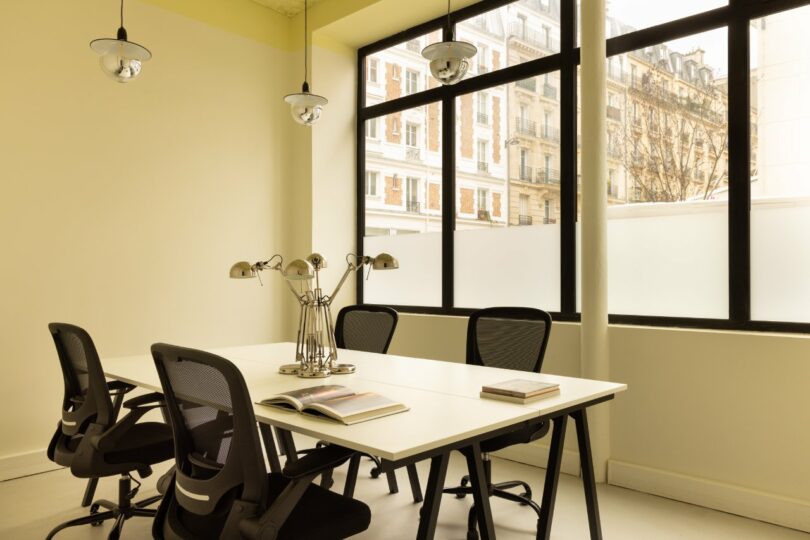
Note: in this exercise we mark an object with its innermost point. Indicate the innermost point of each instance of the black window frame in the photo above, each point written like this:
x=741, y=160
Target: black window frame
x=736, y=17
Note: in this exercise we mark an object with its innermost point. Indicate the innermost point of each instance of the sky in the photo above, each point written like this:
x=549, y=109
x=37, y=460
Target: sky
x=637, y=13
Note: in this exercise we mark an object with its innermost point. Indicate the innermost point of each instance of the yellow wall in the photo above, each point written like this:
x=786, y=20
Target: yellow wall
x=123, y=206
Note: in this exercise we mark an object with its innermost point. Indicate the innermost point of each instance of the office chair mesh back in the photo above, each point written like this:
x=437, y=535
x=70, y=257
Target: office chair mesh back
x=510, y=338
x=368, y=329
x=86, y=397
x=217, y=452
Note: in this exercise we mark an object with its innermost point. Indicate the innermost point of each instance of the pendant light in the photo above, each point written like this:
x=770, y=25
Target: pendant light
x=305, y=107
x=449, y=60
x=120, y=59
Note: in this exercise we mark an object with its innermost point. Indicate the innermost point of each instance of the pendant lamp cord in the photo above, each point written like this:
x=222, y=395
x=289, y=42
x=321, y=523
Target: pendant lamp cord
x=305, y=40
x=122, y=13
x=449, y=28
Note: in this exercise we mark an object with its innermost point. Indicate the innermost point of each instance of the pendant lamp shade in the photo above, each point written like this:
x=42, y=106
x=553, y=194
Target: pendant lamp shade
x=119, y=58
x=449, y=60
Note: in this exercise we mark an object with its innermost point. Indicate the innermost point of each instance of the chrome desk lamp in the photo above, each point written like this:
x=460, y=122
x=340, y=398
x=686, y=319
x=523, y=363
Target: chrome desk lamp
x=316, y=350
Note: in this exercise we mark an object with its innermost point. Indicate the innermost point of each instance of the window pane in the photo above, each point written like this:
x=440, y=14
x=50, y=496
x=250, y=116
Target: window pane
x=399, y=70
x=780, y=191
x=625, y=16
x=667, y=179
x=512, y=34
x=507, y=196
x=403, y=206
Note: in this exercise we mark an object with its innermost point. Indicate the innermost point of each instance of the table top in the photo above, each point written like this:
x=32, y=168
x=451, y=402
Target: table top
x=443, y=397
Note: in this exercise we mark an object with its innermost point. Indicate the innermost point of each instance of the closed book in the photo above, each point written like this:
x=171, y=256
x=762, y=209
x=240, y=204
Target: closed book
x=521, y=388
x=523, y=401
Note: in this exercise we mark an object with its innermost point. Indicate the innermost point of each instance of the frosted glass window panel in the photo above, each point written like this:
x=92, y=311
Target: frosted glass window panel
x=417, y=281
x=515, y=266
x=666, y=260
x=780, y=190
x=780, y=262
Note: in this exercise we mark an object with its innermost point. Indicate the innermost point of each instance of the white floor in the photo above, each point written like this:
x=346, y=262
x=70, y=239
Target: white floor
x=31, y=506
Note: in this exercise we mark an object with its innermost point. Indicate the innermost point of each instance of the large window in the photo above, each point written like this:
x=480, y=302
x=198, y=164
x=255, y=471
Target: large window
x=707, y=122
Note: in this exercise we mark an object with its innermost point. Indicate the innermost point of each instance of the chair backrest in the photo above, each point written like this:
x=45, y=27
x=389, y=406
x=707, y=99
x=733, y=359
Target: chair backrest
x=508, y=337
x=86, y=399
x=217, y=450
x=365, y=328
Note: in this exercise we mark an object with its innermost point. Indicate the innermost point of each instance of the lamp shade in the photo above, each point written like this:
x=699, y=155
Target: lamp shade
x=384, y=261
x=317, y=261
x=298, y=270
x=306, y=108
x=242, y=270
x=449, y=60
x=119, y=58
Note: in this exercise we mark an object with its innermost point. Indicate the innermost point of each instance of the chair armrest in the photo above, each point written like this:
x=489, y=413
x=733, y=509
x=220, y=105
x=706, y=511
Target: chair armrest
x=155, y=398
x=119, y=387
x=317, y=461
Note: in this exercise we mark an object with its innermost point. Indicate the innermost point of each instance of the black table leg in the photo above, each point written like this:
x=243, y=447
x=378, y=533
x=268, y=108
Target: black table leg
x=351, y=475
x=588, y=481
x=429, y=513
x=480, y=491
x=285, y=440
x=270, y=447
x=413, y=478
x=552, y=477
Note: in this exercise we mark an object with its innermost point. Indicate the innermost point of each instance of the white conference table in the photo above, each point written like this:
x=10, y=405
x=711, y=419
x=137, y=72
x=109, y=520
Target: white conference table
x=446, y=414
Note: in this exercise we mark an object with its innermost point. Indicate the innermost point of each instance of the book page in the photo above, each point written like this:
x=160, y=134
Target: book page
x=519, y=387
x=357, y=404
x=306, y=396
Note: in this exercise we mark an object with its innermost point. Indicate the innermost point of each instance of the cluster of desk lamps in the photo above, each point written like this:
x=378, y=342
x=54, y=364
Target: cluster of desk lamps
x=316, y=349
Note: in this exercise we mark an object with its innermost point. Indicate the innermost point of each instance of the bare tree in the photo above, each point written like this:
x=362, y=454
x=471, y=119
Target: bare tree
x=674, y=147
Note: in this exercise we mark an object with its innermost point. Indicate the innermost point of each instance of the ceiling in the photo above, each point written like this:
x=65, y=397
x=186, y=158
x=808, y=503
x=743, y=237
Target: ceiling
x=288, y=8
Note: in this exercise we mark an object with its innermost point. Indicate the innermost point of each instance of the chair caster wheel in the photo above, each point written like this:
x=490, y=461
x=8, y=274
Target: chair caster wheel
x=527, y=495
x=472, y=535
x=94, y=510
x=460, y=495
x=375, y=472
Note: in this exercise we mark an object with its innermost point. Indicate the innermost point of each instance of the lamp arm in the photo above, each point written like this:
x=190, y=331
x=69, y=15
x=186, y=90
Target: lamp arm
x=298, y=297
x=349, y=269
x=266, y=265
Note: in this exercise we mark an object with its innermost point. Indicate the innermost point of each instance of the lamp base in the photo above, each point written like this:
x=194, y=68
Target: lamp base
x=314, y=374
x=289, y=369
x=343, y=369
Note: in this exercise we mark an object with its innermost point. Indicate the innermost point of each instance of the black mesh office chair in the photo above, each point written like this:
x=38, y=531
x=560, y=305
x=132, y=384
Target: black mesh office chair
x=92, y=442
x=220, y=487
x=510, y=338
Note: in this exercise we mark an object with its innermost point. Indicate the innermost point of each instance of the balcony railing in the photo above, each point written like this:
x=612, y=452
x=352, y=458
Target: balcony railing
x=483, y=166
x=483, y=215
x=527, y=84
x=548, y=176
x=616, y=74
x=526, y=174
x=524, y=220
x=525, y=126
x=549, y=92
x=413, y=153
x=483, y=118
x=550, y=133
x=413, y=46
x=614, y=113
x=539, y=40
x=413, y=207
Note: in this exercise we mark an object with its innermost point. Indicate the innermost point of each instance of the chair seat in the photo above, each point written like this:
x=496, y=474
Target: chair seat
x=147, y=443
x=320, y=514
x=521, y=436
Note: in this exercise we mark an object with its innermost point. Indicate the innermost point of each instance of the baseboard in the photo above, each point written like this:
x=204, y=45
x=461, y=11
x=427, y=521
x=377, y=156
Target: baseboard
x=750, y=503
x=25, y=464
x=537, y=455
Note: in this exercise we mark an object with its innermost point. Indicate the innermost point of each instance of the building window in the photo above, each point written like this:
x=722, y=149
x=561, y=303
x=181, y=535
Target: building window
x=483, y=157
x=411, y=81
x=412, y=135
x=371, y=183
x=483, y=108
x=483, y=199
x=371, y=128
x=373, y=64
x=412, y=198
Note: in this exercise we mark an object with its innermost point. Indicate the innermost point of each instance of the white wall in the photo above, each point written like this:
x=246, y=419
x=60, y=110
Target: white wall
x=123, y=206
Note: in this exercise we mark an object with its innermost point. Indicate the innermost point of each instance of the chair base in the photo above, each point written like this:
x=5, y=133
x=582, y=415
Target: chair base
x=120, y=512
x=494, y=490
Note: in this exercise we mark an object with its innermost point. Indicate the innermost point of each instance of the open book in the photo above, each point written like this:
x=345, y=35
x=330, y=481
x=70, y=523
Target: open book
x=336, y=402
